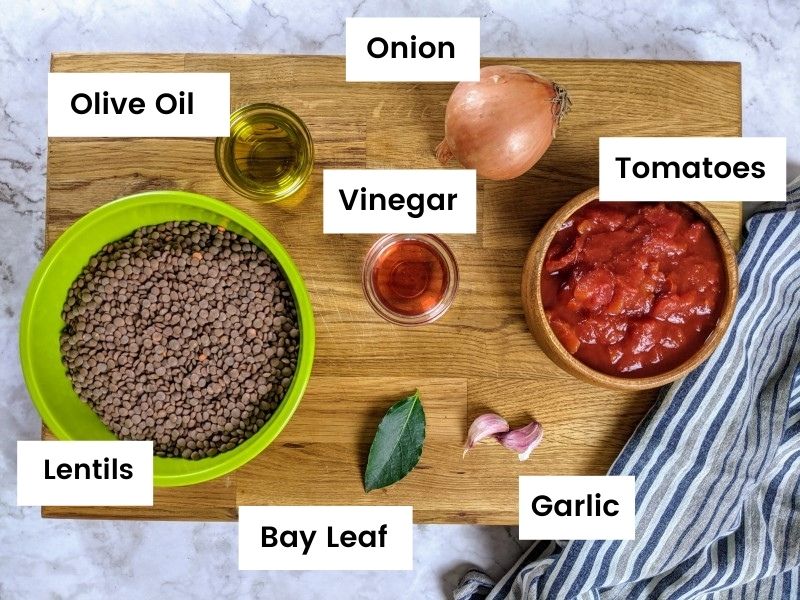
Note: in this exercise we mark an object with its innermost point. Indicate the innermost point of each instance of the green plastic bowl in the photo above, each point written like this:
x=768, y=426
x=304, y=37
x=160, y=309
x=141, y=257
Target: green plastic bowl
x=45, y=376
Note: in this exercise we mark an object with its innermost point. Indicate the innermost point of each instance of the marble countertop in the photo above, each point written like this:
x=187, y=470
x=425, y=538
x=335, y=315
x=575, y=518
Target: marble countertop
x=97, y=559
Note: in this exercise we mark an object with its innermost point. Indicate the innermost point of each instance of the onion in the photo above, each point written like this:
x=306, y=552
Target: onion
x=503, y=124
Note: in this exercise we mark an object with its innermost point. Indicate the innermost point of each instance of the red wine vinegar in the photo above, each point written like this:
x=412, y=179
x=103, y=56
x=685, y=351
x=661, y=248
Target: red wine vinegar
x=410, y=277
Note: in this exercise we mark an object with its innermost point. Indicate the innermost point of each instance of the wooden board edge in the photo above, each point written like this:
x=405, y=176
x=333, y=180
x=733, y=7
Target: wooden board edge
x=127, y=513
x=54, y=56
x=738, y=68
x=737, y=243
x=58, y=56
x=231, y=514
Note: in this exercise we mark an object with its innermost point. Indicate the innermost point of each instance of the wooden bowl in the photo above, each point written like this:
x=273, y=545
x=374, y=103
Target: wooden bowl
x=549, y=343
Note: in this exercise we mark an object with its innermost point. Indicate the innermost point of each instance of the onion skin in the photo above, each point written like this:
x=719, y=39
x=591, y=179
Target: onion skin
x=503, y=124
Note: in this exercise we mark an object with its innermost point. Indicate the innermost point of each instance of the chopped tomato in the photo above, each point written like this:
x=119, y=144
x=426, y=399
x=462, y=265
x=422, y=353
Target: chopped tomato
x=568, y=258
x=599, y=248
x=593, y=288
x=600, y=219
x=599, y=329
x=660, y=244
x=633, y=289
x=566, y=335
x=696, y=231
x=675, y=308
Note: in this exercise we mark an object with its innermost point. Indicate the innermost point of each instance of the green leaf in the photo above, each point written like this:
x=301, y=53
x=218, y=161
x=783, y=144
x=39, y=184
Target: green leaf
x=397, y=445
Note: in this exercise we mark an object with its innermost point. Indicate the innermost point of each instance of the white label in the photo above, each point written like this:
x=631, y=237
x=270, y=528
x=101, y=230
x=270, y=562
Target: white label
x=413, y=49
x=577, y=508
x=703, y=169
x=399, y=201
x=110, y=473
x=138, y=104
x=325, y=538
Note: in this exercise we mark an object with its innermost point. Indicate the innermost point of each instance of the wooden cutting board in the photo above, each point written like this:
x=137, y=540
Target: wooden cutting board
x=480, y=356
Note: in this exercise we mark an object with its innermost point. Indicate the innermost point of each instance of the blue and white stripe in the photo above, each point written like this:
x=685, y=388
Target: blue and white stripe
x=717, y=463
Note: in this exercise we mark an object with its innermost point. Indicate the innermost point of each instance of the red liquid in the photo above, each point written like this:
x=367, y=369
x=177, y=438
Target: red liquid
x=409, y=277
x=633, y=289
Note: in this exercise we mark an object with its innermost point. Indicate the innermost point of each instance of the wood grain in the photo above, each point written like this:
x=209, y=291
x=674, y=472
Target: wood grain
x=480, y=356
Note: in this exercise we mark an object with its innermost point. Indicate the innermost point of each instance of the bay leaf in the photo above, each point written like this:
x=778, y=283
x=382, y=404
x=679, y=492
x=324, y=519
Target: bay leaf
x=397, y=446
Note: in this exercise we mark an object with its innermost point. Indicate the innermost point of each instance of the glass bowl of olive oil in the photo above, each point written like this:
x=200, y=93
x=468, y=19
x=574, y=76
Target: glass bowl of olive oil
x=268, y=155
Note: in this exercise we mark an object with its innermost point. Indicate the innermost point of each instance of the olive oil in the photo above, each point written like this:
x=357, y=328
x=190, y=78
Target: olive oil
x=269, y=154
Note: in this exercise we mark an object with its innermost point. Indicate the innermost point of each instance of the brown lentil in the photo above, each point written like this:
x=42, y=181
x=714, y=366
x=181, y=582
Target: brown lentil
x=161, y=333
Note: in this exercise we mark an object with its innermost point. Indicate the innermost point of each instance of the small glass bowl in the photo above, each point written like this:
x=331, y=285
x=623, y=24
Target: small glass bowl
x=268, y=155
x=378, y=252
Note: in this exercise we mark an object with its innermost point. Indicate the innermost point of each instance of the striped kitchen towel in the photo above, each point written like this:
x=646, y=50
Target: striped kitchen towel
x=717, y=463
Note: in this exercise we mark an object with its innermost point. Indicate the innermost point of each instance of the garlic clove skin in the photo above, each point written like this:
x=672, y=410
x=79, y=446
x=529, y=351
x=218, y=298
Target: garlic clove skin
x=522, y=440
x=484, y=426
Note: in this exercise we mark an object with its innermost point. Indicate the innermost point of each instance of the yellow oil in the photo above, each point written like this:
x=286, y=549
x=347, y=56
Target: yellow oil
x=269, y=154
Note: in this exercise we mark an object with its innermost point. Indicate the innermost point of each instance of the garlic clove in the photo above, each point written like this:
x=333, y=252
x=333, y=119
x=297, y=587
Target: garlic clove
x=486, y=425
x=522, y=440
